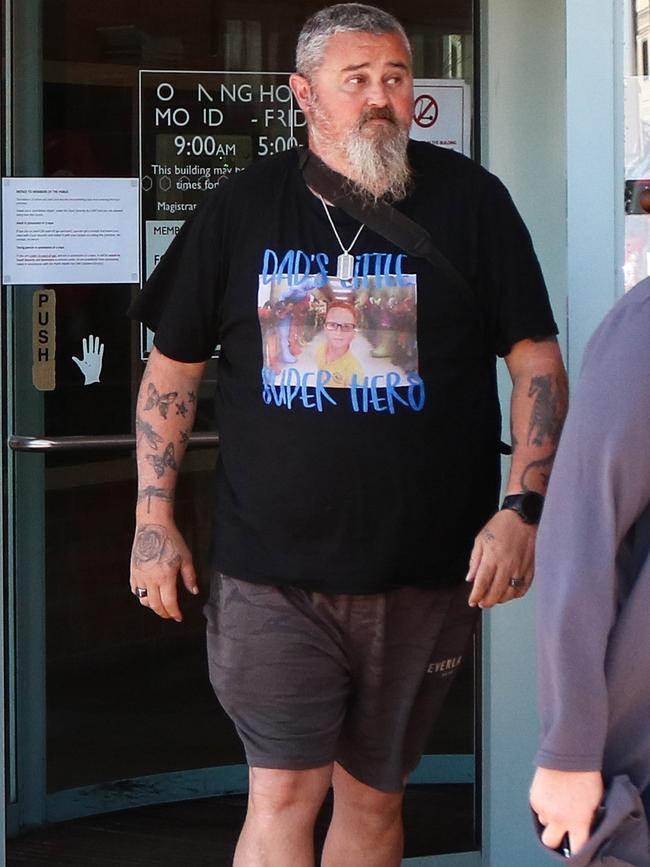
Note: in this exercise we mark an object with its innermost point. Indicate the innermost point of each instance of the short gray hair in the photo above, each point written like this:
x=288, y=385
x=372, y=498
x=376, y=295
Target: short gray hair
x=340, y=18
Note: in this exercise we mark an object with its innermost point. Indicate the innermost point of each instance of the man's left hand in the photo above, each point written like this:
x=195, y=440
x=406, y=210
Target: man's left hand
x=502, y=561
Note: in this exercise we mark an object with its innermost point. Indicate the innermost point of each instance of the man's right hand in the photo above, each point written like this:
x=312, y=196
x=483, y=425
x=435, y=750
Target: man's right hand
x=159, y=553
x=566, y=803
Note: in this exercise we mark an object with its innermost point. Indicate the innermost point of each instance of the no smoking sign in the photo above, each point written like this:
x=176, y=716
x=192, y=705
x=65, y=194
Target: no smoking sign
x=442, y=113
x=425, y=111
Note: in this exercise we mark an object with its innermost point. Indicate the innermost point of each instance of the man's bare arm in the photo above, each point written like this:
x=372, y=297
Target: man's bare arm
x=538, y=409
x=165, y=413
x=504, y=548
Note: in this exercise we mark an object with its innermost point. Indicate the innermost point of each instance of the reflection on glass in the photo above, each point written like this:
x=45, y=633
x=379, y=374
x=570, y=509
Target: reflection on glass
x=637, y=143
x=128, y=694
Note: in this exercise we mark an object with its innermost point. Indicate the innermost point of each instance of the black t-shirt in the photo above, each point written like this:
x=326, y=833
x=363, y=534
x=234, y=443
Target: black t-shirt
x=358, y=418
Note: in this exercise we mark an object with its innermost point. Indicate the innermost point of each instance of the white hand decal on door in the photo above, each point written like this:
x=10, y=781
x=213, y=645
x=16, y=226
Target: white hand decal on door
x=91, y=363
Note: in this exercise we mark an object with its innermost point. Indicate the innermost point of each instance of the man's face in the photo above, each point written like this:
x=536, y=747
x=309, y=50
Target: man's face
x=340, y=329
x=364, y=82
x=359, y=103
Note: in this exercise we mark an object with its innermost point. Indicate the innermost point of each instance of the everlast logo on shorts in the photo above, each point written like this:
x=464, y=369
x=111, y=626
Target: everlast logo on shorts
x=445, y=667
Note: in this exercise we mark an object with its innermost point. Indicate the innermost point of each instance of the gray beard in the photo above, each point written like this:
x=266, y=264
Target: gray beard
x=378, y=164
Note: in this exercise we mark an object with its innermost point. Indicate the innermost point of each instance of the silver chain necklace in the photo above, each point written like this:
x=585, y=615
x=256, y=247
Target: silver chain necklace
x=345, y=262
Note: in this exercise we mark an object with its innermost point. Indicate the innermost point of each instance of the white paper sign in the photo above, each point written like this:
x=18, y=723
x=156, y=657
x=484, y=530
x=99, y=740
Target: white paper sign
x=70, y=230
x=158, y=236
x=442, y=113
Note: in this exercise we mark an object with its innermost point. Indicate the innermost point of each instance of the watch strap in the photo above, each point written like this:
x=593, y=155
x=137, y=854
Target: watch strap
x=527, y=504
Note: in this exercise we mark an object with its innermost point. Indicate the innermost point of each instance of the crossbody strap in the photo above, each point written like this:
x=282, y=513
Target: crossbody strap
x=387, y=221
x=380, y=217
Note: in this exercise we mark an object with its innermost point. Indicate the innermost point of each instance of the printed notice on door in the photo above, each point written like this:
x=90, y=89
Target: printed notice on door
x=70, y=230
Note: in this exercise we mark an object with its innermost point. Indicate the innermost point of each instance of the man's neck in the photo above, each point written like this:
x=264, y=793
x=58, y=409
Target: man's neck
x=331, y=158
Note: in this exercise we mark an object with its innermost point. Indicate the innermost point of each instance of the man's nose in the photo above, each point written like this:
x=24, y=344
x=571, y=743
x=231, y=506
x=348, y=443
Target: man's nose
x=376, y=94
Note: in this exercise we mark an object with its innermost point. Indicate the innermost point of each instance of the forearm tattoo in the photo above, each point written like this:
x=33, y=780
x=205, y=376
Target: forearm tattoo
x=157, y=493
x=161, y=460
x=153, y=547
x=536, y=474
x=545, y=426
x=547, y=415
x=161, y=463
x=162, y=401
x=152, y=437
x=157, y=400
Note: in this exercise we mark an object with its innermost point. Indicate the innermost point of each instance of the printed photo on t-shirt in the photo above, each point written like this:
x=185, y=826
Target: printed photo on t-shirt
x=344, y=335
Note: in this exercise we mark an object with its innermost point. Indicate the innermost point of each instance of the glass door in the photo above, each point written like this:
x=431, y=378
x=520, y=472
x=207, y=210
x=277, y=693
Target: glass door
x=110, y=707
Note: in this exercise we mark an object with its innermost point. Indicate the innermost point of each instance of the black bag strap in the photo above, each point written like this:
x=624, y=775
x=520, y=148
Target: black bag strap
x=380, y=217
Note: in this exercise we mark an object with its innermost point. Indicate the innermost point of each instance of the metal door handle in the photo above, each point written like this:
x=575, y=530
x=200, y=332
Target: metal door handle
x=87, y=443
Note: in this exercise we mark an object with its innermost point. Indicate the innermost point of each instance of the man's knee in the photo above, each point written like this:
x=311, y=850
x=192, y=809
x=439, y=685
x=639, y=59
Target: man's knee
x=274, y=791
x=363, y=804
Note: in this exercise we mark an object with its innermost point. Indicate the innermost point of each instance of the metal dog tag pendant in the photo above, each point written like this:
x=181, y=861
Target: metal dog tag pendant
x=345, y=267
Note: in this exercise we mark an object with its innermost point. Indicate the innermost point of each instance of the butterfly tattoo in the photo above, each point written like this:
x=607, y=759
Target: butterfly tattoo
x=162, y=401
x=161, y=462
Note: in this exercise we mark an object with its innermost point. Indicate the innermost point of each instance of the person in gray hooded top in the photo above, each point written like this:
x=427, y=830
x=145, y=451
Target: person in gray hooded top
x=593, y=583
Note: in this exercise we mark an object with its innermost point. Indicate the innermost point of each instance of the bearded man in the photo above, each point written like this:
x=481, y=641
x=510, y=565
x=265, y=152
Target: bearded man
x=357, y=529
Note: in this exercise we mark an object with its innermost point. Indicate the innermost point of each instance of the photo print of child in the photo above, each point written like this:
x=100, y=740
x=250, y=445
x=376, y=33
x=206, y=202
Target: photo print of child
x=333, y=353
x=355, y=333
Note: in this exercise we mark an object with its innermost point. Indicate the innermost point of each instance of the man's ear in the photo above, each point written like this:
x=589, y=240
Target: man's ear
x=301, y=90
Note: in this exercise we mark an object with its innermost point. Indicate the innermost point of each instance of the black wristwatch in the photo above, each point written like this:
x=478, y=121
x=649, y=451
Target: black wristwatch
x=528, y=505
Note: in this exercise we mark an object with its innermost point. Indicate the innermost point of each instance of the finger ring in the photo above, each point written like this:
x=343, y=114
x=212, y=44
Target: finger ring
x=517, y=583
x=140, y=592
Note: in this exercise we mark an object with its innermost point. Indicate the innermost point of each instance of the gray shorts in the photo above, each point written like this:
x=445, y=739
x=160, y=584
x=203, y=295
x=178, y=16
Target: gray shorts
x=311, y=678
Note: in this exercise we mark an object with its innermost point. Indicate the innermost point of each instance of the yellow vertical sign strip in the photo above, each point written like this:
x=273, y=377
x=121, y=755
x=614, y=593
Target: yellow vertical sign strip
x=44, y=339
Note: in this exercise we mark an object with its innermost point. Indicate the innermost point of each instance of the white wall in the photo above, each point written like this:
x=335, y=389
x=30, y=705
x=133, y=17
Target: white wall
x=524, y=143
x=595, y=166
x=552, y=120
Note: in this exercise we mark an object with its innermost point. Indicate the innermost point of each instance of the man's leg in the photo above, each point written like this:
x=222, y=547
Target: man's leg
x=366, y=828
x=282, y=810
